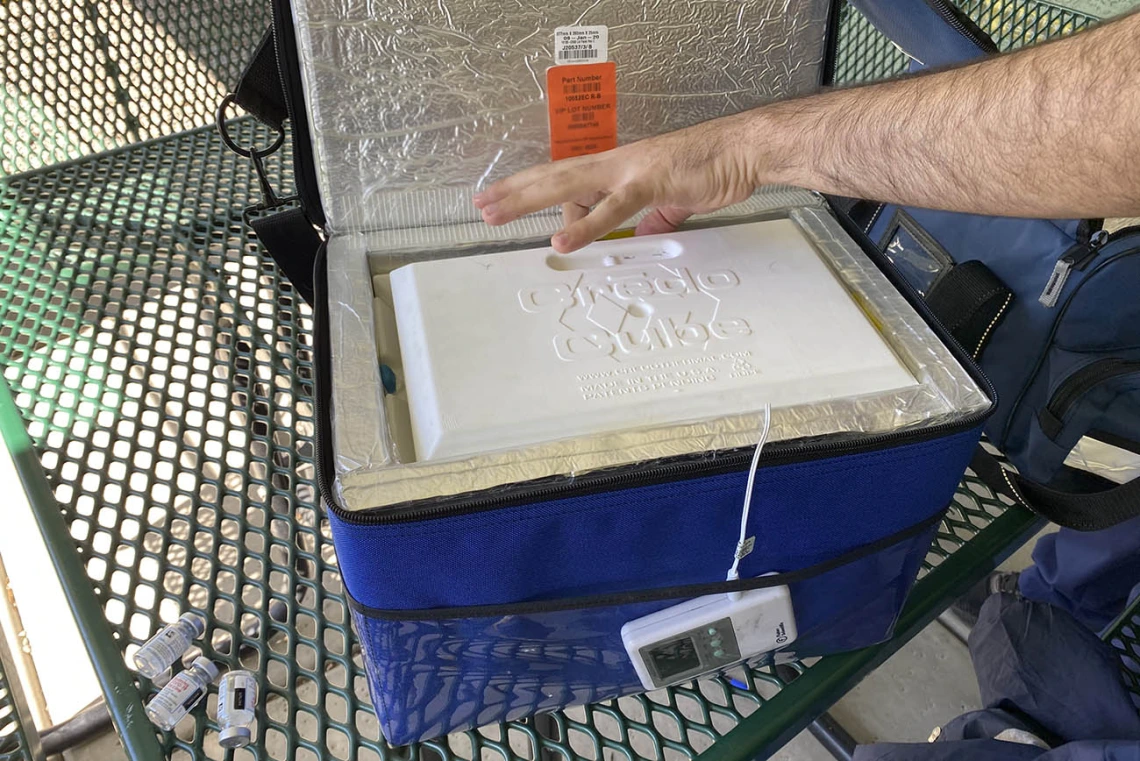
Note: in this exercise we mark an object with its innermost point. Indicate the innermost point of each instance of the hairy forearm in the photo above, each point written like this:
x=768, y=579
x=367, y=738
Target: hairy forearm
x=1053, y=130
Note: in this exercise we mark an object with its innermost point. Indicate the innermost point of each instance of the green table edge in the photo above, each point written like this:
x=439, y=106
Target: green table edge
x=119, y=688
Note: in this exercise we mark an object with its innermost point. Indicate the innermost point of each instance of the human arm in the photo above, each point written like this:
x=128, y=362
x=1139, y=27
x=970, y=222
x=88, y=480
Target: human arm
x=1049, y=131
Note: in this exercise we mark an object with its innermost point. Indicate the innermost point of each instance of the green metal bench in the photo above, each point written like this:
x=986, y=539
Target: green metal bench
x=161, y=412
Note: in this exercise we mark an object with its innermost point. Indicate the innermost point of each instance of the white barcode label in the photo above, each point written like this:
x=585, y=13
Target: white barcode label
x=581, y=44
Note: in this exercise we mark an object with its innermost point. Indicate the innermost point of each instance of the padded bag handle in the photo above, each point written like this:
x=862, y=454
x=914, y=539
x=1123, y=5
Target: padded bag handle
x=1082, y=511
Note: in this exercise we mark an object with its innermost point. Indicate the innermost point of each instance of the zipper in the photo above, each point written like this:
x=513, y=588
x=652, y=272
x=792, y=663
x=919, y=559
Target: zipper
x=704, y=464
x=1077, y=257
x=1080, y=383
x=1124, y=232
x=304, y=173
x=964, y=26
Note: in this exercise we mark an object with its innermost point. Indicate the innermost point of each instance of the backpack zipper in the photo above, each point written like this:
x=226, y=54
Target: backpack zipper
x=1077, y=257
x=966, y=28
x=1118, y=234
x=1080, y=383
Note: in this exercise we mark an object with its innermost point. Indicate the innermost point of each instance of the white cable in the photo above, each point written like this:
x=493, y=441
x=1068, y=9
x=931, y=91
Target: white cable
x=742, y=548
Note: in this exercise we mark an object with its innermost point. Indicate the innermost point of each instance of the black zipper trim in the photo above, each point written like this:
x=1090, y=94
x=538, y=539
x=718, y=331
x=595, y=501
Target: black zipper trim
x=560, y=487
x=1119, y=234
x=963, y=24
x=1078, y=384
x=831, y=43
x=685, y=591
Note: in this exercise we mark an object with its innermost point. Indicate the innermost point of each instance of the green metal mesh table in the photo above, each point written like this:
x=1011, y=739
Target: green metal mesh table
x=18, y=738
x=161, y=410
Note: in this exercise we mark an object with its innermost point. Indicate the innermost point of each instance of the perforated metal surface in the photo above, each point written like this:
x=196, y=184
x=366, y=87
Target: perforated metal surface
x=164, y=372
x=81, y=77
x=863, y=54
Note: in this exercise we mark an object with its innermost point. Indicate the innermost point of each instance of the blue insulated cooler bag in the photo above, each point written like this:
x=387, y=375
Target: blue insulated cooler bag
x=1048, y=308
x=485, y=604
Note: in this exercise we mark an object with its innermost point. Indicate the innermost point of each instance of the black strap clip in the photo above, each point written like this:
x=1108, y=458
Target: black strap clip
x=270, y=200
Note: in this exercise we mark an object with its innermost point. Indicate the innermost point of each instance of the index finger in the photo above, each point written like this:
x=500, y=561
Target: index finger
x=552, y=172
x=558, y=186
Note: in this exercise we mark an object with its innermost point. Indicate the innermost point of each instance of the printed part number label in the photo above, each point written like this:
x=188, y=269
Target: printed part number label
x=583, y=109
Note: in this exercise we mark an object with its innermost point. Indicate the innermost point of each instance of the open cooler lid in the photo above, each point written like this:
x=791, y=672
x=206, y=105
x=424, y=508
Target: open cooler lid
x=414, y=106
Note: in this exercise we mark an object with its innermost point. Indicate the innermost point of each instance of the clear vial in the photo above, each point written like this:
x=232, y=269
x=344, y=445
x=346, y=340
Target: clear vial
x=164, y=648
x=237, y=700
x=181, y=694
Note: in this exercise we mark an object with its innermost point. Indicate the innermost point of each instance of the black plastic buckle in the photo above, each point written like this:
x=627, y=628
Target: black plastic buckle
x=270, y=199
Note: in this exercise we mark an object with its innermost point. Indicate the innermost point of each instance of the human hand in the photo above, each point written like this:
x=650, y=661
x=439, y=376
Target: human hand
x=698, y=169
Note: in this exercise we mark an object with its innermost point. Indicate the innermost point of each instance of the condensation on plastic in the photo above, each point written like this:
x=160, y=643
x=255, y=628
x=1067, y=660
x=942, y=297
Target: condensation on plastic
x=503, y=667
x=368, y=469
x=415, y=105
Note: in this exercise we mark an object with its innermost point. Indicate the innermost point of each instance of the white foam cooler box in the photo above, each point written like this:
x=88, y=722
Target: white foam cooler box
x=535, y=465
x=508, y=349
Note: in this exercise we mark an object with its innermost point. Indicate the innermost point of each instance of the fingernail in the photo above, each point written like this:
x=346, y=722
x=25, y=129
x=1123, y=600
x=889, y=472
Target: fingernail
x=490, y=208
x=478, y=199
x=561, y=240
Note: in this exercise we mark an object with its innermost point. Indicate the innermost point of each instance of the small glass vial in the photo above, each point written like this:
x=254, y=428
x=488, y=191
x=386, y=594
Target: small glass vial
x=164, y=648
x=181, y=694
x=237, y=700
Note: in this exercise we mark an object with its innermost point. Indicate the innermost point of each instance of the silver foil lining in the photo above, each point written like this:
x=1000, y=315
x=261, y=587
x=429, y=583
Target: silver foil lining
x=414, y=105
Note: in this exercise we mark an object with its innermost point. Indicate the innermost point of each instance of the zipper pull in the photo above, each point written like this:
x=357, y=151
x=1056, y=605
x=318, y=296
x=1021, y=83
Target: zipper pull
x=1077, y=257
x=1057, y=280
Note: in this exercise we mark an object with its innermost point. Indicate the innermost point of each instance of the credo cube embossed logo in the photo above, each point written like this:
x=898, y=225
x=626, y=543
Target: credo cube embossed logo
x=628, y=314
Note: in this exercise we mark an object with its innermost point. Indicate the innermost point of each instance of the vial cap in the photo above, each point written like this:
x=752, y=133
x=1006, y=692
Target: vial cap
x=208, y=666
x=195, y=621
x=234, y=737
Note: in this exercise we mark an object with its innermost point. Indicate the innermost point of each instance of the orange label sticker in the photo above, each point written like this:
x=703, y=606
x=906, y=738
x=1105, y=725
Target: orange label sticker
x=583, y=109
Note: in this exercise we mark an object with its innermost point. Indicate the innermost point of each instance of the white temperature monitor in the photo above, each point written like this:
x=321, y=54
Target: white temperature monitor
x=707, y=634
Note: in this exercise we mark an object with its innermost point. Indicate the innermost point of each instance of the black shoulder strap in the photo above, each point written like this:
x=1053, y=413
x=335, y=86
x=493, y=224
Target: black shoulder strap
x=1082, y=511
x=286, y=231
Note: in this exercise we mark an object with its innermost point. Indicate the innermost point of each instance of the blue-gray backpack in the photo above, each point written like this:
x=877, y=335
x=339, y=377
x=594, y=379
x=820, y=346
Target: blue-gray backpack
x=1049, y=308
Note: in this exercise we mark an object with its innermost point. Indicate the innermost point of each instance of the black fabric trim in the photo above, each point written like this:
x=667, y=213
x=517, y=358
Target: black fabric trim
x=1080, y=511
x=292, y=241
x=664, y=593
x=259, y=89
x=971, y=301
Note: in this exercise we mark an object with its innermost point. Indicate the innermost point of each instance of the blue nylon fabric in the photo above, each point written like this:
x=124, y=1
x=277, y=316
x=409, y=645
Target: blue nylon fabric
x=1104, y=315
x=1039, y=671
x=1089, y=574
x=1022, y=254
x=429, y=678
x=653, y=536
x=917, y=28
x=1101, y=320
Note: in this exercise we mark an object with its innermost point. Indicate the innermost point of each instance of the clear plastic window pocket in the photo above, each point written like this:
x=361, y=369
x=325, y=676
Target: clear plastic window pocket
x=915, y=254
